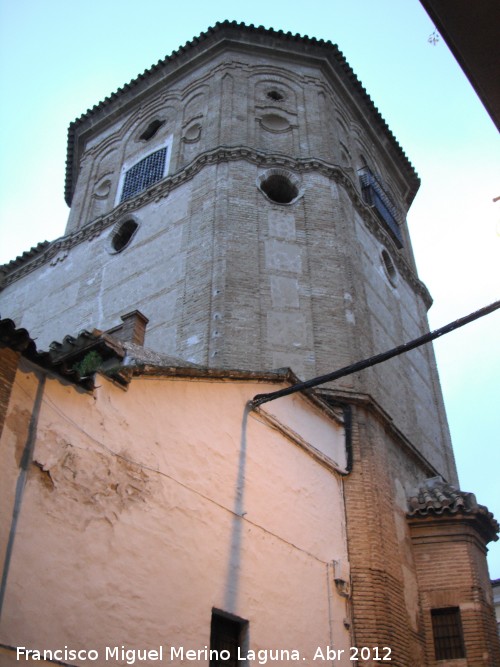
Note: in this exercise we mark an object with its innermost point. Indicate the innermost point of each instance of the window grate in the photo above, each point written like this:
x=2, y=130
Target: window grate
x=375, y=195
x=225, y=635
x=447, y=631
x=143, y=174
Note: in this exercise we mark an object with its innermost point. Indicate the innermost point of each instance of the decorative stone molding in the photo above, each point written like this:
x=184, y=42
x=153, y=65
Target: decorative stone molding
x=60, y=257
x=192, y=133
x=276, y=123
x=162, y=189
x=240, y=35
x=102, y=188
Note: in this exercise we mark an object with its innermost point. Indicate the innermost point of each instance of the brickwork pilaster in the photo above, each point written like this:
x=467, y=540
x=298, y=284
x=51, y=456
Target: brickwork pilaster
x=450, y=558
x=380, y=609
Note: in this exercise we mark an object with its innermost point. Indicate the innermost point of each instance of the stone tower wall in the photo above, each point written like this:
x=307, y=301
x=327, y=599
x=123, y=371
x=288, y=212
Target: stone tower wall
x=226, y=276
x=226, y=102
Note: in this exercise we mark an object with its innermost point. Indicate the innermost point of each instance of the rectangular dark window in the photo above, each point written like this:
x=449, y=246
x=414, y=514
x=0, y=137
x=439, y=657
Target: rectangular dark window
x=448, y=635
x=375, y=196
x=143, y=174
x=227, y=634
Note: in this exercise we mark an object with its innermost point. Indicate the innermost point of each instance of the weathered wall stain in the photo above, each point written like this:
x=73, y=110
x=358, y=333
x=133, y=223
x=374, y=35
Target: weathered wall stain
x=17, y=424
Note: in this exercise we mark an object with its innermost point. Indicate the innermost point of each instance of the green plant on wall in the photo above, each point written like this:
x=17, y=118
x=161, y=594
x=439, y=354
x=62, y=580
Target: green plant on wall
x=90, y=363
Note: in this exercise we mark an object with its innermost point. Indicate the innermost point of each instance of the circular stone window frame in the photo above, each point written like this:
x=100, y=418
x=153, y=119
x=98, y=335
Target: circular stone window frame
x=118, y=230
x=293, y=182
x=276, y=123
x=192, y=133
x=389, y=268
x=102, y=188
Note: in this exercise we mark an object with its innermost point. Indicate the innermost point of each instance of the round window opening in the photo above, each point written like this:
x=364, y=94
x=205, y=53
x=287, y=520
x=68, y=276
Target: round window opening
x=389, y=267
x=279, y=188
x=275, y=95
x=123, y=235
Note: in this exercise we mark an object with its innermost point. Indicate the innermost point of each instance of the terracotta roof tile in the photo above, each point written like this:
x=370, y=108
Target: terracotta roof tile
x=436, y=497
x=61, y=357
x=26, y=256
x=118, y=358
x=18, y=340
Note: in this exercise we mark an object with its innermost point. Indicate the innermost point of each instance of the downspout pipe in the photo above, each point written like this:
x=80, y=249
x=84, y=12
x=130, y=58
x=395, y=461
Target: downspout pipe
x=26, y=459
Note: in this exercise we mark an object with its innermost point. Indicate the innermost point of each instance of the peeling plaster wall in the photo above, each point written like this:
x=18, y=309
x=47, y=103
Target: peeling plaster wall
x=145, y=508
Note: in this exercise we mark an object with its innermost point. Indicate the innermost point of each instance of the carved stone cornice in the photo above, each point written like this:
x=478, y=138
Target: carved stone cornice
x=241, y=37
x=218, y=155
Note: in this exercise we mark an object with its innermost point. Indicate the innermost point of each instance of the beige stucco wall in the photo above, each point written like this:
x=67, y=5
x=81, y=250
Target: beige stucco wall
x=145, y=508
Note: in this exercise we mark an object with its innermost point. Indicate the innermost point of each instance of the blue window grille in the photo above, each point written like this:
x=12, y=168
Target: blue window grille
x=143, y=174
x=375, y=196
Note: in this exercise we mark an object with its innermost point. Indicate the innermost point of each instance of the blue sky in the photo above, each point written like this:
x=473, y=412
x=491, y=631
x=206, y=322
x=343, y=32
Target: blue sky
x=58, y=58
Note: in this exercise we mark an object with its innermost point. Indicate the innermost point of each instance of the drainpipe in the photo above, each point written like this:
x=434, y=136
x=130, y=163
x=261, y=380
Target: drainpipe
x=26, y=459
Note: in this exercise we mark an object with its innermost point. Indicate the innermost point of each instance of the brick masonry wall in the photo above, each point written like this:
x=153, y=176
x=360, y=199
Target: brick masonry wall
x=402, y=569
x=450, y=558
x=385, y=603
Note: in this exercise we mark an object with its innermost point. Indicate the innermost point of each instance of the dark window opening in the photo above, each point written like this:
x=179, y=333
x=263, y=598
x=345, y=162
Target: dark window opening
x=279, y=189
x=123, y=235
x=143, y=174
x=151, y=130
x=389, y=267
x=374, y=195
x=448, y=635
x=275, y=95
x=227, y=634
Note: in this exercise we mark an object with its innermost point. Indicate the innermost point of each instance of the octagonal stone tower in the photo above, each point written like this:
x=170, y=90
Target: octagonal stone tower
x=246, y=195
